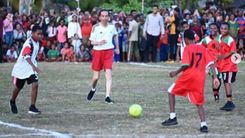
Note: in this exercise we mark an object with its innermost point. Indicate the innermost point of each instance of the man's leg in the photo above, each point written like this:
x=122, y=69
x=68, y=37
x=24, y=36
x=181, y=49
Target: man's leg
x=108, y=85
x=96, y=75
x=201, y=113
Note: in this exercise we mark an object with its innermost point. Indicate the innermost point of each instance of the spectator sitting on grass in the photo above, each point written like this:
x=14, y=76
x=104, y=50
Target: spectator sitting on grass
x=53, y=54
x=67, y=53
x=11, y=55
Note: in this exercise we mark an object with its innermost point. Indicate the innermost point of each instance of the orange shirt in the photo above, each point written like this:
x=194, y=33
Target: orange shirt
x=227, y=45
x=197, y=58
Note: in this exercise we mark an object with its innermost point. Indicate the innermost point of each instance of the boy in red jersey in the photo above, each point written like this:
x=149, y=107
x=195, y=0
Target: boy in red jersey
x=227, y=67
x=213, y=49
x=192, y=80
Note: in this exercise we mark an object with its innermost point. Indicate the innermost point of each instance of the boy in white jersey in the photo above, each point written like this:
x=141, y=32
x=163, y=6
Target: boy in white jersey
x=26, y=69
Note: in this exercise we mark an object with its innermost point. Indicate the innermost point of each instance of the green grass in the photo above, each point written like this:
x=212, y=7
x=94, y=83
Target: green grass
x=63, y=88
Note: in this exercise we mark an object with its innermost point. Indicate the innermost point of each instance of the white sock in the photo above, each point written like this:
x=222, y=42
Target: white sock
x=93, y=89
x=172, y=115
x=203, y=124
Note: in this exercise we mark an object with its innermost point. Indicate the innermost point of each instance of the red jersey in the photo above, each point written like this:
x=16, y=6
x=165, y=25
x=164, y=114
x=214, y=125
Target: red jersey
x=227, y=45
x=192, y=80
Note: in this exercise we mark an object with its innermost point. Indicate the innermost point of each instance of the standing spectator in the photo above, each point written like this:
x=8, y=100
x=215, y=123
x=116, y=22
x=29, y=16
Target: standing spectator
x=19, y=36
x=74, y=28
x=234, y=26
x=173, y=34
x=52, y=31
x=133, y=50
x=11, y=55
x=61, y=35
x=8, y=29
x=1, y=36
x=101, y=37
x=153, y=28
x=86, y=27
x=241, y=33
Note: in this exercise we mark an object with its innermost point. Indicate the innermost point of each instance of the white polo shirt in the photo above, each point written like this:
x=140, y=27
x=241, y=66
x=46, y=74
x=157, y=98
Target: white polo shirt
x=22, y=69
x=100, y=33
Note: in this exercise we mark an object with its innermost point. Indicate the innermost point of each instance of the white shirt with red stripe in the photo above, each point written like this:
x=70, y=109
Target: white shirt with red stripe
x=22, y=69
x=100, y=33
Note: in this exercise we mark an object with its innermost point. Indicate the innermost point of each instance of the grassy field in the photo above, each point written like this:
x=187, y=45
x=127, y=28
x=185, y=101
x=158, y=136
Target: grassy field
x=63, y=88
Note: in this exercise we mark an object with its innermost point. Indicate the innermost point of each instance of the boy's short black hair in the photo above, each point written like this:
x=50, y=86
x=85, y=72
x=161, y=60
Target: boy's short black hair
x=189, y=34
x=184, y=22
x=103, y=10
x=214, y=24
x=225, y=23
x=35, y=28
x=155, y=6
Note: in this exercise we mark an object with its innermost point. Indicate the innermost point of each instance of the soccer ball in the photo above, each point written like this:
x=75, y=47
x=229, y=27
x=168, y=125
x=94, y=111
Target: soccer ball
x=135, y=110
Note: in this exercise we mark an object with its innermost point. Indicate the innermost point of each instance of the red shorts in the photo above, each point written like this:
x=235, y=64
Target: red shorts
x=102, y=59
x=183, y=88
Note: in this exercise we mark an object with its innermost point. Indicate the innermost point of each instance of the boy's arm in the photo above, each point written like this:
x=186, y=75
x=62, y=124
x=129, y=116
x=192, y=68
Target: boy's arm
x=216, y=82
x=175, y=73
x=35, y=69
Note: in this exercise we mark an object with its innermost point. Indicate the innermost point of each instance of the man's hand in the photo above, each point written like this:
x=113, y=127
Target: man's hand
x=144, y=35
x=172, y=74
x=216, y=83
x=117, y=51
x=102, y=42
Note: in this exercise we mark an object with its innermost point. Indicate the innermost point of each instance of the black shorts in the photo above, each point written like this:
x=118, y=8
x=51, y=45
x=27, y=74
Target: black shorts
x=229, y=77
x=19, y=83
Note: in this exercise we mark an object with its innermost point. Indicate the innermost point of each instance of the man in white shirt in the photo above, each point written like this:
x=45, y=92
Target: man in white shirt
x=133, y=50
x=101, y=38
x=26, y=70
x=153, y=28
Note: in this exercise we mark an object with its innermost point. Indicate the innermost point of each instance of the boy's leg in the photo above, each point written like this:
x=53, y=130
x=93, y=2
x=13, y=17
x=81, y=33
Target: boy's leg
x=229, y=77
x=18, y=85
x=201, y=113
x=34, y=93
x=172, y=119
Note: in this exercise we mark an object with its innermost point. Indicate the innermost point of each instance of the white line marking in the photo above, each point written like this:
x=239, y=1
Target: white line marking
x=43, y=132
x=153, y=66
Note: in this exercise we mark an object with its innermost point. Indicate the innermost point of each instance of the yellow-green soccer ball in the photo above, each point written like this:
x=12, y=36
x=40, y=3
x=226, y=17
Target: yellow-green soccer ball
x=135, y=110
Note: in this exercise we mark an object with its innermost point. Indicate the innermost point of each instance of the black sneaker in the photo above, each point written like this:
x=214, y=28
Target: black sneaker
x=108, y=100
x=216, y=98
x=170, y=122
x=204, y=129
x=33, y=110
x=90, y=94
x=13, y=107
x=229, y=106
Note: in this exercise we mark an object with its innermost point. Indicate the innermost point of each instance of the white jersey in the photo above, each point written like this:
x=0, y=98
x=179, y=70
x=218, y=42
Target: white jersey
x=22, y=69
x=100, y=33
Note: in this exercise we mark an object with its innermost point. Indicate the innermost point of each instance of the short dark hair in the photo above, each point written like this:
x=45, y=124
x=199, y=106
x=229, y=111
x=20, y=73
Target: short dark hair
x=35, y=28
x=189, y=34
x=214, y=24
x=155, y=6
x=225, y=23
x=103, y=10
x=184, y=22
